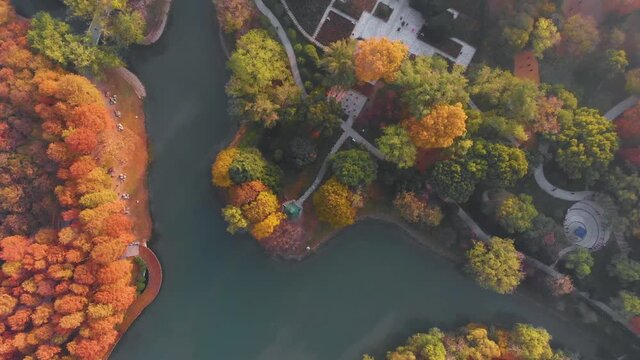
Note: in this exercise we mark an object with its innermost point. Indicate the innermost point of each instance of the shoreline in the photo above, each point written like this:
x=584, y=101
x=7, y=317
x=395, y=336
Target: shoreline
x=157, y=30
x=131, y=106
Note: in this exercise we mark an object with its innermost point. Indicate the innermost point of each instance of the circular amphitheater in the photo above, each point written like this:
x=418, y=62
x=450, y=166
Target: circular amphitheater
x=586, y=225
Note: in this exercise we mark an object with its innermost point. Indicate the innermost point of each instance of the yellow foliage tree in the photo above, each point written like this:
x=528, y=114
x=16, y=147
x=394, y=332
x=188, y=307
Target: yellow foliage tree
x=220, y=168
x=377, y=58
x=72, y=321
x=439, y=128
x=265, y=204
x=266, y=227
x=334, y=204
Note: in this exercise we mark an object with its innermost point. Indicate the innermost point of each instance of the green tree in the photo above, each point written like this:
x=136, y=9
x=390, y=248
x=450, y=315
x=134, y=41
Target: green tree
x=501, y=91
x=517, y=32
x=301, y=152
x=428, y=345
x=82, y=8
x=532, y=343
x=126, y=28
x=261, y=84
x=427, y=81
x=633, y=81
x=505, y=164
x=354, y=167
x=452, y=181
x=249, y=164
x=586, y=145
x=516, y=213
x=625, y=269
x=581, y=35
x=580, y=261
x=323, y=114
x=235, y=219
x=545, y=35
x=397, y=147
x=338, y=63
x=630, y=303
x=497, y=265
x=616, y=62
x=53, y=38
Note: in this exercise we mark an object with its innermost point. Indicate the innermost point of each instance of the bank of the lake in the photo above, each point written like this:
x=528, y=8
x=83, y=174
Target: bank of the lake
x=223, y=298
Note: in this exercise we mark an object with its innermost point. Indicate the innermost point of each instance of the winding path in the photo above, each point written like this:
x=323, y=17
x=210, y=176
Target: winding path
x=156, y=31
x=285, y=42
x=557, y=193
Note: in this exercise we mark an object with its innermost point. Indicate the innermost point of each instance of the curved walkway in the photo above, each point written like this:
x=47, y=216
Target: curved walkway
x=557, y=193
x=285, y=42
x=133, y=81
x=143, y=300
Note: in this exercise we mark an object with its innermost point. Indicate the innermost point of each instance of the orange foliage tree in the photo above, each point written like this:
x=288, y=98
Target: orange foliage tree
x=438, y=129
x=62, y=291
x=377, y=58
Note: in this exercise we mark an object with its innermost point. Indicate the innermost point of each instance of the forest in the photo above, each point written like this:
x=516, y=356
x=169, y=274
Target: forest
x=65, y=285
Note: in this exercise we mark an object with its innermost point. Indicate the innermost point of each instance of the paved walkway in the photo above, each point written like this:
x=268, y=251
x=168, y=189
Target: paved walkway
x=323, y=18
x=621, y=107
x=323, y=170
x=285, y=42
x=557, y=193
x=95, y=28
x=475, y=228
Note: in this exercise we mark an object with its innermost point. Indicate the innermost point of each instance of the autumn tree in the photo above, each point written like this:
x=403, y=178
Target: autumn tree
x=234, y=217
x=377, y=58
x=586, y=145
x=220, y=168
x=628, y=126
x=397, y=146
x=354, y=167
x=233, y=14
x=516, y=213
x=561, y=285
x=439, y=128
x=580, y=35
x=497, y=265
x=338, y=63
x=531, y=342
x=334, y=203
x=427, y=81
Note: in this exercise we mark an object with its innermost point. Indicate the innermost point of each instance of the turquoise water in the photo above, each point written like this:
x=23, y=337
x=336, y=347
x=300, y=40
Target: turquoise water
x=222, y=298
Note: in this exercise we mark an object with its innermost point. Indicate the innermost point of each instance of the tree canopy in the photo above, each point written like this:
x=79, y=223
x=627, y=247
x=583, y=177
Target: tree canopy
x=261, y=84
x=427, y=81
x=338, y=63
x=334, y=203
x=586, y=145
x=233, y=14
x=516, y=213
x=580, y=35
x=397, y=147
x=439, y=128
x=354, y=167
x=379, y=58
x=497, y=265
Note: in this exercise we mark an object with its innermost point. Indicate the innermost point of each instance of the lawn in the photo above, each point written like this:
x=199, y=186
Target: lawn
x=335, y=28
x=308, y=13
